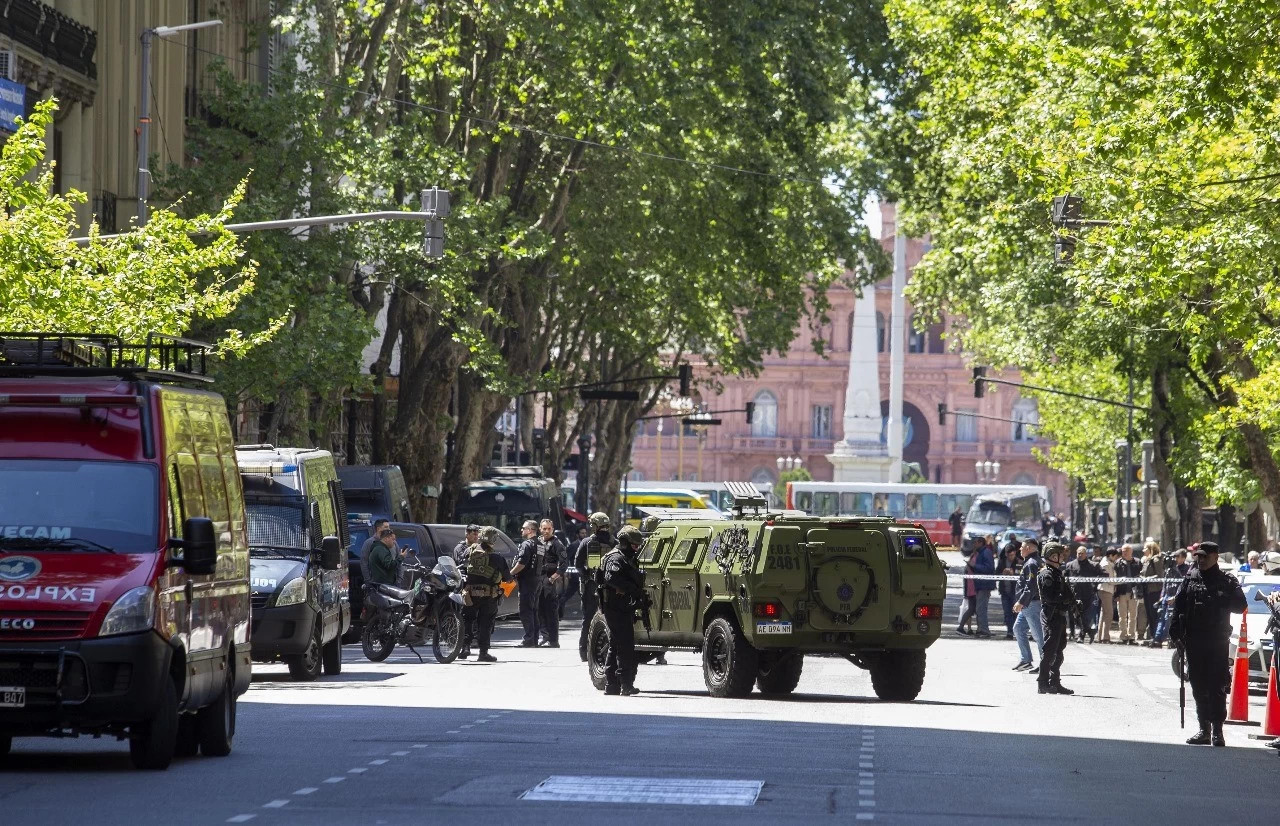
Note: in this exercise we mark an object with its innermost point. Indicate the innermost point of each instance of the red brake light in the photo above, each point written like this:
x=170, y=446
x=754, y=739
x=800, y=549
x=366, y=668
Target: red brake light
x=767, y=610
x=929, y=612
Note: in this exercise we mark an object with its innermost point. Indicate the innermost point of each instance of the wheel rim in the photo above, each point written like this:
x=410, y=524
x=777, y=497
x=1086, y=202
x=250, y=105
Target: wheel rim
x=450, y=632
x=311, y=659
x=718, y=656
x=600, y=651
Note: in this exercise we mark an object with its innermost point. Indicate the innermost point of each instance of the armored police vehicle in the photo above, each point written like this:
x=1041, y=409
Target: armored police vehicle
x=757, y=593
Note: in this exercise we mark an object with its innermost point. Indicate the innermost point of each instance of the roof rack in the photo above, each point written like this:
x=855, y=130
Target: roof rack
x=160, y=358
x=746, y=495
x=522, y=471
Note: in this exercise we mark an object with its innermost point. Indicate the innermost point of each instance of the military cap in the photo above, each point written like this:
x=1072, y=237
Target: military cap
x=631, y=535
x=598, y=520
x=1205, y=548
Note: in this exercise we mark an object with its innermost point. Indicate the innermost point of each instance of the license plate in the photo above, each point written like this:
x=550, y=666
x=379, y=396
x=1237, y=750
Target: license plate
x=773, y=628
x=13, y=696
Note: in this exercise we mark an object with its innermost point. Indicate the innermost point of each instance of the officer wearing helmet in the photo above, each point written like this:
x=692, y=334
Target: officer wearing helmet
x=621, y=594
x=486, y=570
x=587, y=559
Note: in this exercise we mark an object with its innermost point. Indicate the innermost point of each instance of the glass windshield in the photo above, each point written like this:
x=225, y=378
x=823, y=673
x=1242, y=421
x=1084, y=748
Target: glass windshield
x=989, y=513
x=508, y=523
x=59, y=504
x=277, y=524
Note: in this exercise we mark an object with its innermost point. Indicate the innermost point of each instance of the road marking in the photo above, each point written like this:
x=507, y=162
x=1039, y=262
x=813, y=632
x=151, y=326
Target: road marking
x=866, y=782
x=378, y=762
x=866, y=792
x=660, y=790
x=357, y=770
x=480, y=722
x=866, y=803
x=864, y=766
x=866, y=816
x=865, y=774
x=334, y=779
x=307, y=790
x=399, y=754
x=466, y=725
x=454, y=731
x=420, y=745
x=241, y=818
x=275, y=804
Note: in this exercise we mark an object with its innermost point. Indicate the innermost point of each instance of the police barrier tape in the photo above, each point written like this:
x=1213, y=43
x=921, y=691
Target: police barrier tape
x=1079, y=580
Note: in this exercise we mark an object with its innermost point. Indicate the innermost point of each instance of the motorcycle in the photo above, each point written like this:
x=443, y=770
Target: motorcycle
x=405, y=616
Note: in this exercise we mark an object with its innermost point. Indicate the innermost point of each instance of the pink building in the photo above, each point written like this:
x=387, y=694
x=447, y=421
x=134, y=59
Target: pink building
x=799, y=405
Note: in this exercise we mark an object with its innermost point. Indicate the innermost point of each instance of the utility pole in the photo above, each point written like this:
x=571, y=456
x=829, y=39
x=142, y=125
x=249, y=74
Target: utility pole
x=144, y=106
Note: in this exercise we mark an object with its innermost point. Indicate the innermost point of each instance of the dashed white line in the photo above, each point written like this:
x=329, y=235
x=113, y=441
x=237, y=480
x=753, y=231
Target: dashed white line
x=419, y=745
x=378, y=762
x=466, y=725
x=866, y=793
x=866, y=816
x=864, y=765
x=357, y=770
x=399, y=754
x=454, y=731
x=866, y=803
x=241, y=818
x=307, y=790
x=334, y=779
x=275, y=804
x=866, y=781
x=865, y=774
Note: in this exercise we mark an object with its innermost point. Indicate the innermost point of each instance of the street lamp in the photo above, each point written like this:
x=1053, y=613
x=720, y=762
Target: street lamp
x=789, y=463
x=144, y=108
x=585, y=455
x=987, y=471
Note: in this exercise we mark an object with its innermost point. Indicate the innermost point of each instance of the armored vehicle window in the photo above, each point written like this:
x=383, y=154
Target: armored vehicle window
x=683, y=553
x=913, y=546
x=655, y=548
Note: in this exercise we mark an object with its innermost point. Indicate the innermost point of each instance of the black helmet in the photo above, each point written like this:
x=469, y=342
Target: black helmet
x=631, y=535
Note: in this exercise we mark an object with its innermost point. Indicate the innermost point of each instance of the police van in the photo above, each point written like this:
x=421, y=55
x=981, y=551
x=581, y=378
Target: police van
x=124, y=562
x=297, y=523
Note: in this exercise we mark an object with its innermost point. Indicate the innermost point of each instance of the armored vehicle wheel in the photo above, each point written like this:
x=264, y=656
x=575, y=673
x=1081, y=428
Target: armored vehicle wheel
x=377, y=641
x=729, y=662
x=779, y=672
x=306, y=666
x=897, y=676
x=597, y=650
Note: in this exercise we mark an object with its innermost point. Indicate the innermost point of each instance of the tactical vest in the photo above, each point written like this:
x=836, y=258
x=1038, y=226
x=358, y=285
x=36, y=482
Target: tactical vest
x=481, y=575
x=596, y=551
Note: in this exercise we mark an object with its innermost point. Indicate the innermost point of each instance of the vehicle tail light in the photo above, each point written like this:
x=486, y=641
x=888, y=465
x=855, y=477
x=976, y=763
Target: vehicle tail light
x=929, y=612
x=767, y=610
x=65, y=400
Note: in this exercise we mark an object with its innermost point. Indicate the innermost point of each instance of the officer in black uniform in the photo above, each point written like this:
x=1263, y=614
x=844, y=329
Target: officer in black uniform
x=621, y=594
x=460, y=550
x=551, y=562
x=1202, y=610
x=590, y=551
x=486, y=570
x=526, y=573
x=1056, y=601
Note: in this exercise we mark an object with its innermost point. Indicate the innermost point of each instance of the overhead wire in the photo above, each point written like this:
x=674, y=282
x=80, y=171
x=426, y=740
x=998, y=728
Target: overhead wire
x=532, y=130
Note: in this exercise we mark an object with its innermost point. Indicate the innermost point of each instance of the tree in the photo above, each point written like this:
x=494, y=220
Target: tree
x=800, y=474
x=160, y=278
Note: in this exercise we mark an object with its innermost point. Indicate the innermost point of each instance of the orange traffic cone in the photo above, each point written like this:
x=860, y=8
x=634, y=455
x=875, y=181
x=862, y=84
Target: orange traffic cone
x=1271, y=720
x=1239, y=709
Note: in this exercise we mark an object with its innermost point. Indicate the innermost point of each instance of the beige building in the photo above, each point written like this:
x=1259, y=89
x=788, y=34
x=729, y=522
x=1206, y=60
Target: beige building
x=87, y=54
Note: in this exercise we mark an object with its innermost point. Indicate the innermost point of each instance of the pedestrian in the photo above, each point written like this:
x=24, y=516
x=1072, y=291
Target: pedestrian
x=552, y=561
x=486, y=570
x=621, y=595
x=1148, y=593
x=1008, y=566
x=984, y=566
x=1058, y=526
x=970, y=595
x=1085, y=592
x=1126, y=600
x=957, y=527
x=1202, y=610
x=587, y=559
x=1056, y=601
x=471, y=537
x=1251, y=563
x=1027, y=607
x=384, y=559
x=526, y=573
x=367, y=547
x=1168, y=591
x=1107, y=596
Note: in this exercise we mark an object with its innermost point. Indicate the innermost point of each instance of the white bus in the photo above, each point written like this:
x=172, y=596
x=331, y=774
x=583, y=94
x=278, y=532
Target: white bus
x=925, y=503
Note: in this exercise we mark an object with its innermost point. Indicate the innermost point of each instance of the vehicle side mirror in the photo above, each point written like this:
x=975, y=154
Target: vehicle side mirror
x=199, y=547
x=330, y=553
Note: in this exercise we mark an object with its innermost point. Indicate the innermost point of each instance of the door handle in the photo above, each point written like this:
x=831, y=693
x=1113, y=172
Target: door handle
x=689, y=587
x=666, y=582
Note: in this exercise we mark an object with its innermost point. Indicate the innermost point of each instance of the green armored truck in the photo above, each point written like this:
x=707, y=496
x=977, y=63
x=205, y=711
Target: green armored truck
x=758, y=592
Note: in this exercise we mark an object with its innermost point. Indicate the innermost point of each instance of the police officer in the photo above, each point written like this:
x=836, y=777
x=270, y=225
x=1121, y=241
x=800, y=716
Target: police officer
x=460, y=550
x=1202, y=610
x=526, y=573
x=551, y=562
x=384, y=566
x=590, y=551
x=486, y=570
x=1056, y=601
x=621, y=594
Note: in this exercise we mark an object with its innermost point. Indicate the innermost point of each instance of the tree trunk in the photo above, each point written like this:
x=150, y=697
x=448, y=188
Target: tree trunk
x=1228, y=530
x=1162, y=416
x=1255, y=532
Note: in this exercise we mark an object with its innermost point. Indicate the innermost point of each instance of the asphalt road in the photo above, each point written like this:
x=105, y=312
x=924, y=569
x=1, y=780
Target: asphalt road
x=407, y=742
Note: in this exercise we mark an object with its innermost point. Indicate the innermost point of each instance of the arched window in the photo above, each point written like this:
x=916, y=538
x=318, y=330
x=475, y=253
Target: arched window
x=915, y=338
x=935, y=338
x=850, y=339
x=1024, y=479
x=762, y=478
x=1026, y=415
x=881, y=335
x=765, y=420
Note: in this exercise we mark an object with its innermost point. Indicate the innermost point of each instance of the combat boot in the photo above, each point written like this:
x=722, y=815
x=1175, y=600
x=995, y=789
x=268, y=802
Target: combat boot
x=486, y=657
x=1218, y=739
x=1059, y=688
x=612, y=689
x=629, y=691
x=464, y=654
x=1201, y=737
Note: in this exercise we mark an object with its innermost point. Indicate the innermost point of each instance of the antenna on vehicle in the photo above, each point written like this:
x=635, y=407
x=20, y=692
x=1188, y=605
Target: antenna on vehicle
x=746, y=495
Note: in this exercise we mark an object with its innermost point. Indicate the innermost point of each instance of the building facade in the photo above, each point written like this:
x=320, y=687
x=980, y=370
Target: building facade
x=799, y=405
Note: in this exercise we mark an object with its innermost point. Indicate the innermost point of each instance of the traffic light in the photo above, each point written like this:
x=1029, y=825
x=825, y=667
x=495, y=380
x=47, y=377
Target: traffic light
x=979, y=374
x=686, y=378
x=1067, y=209
x=942, y=414
x=751, y=411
